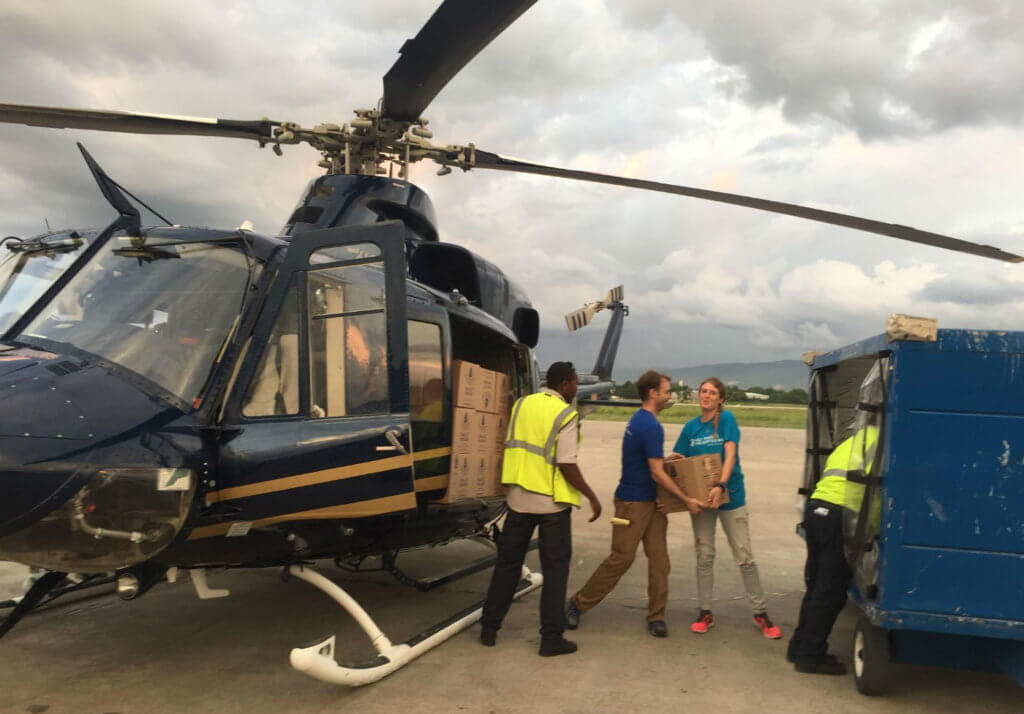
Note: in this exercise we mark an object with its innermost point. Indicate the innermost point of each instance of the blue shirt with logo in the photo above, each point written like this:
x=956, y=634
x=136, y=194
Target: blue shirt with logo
x=699, y=438
x=644, y=439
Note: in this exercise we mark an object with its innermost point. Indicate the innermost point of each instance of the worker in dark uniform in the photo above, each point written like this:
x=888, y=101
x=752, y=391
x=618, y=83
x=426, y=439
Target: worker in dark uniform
x=542, y=482
x=827, y=573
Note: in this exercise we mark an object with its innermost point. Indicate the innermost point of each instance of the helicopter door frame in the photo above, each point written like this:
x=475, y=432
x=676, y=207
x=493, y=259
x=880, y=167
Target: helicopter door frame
x=389, y=237
x=308, y=464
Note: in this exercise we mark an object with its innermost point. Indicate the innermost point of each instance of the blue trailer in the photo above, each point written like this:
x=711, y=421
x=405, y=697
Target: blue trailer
x=937, y=545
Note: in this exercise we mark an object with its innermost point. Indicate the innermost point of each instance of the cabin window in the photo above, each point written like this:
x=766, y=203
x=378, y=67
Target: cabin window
x=348, y=362
x=426, y=378
x=275, y=388
x=349, y=252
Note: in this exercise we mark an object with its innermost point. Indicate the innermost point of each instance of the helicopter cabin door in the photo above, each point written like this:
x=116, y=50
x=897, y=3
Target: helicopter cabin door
x=321, y=401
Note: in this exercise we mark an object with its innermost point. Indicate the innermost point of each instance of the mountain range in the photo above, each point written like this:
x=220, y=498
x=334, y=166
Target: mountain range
x=789, y=373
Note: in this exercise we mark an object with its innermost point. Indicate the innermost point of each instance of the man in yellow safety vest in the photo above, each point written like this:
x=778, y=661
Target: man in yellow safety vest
x=827, y=573
x=542, y=480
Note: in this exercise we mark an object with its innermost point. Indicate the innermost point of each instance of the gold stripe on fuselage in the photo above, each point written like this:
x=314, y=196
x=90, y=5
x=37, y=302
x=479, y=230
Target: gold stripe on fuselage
x=313, y=478
x=360, y=509
x=431, y=483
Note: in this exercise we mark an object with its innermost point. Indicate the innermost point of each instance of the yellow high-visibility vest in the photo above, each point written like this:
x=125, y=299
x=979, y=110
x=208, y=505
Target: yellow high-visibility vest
x=857, y=453
x=531, y=444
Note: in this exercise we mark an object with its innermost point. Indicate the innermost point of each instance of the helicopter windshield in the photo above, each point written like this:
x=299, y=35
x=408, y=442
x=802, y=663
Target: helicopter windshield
x=25, y=274
x=158, y=309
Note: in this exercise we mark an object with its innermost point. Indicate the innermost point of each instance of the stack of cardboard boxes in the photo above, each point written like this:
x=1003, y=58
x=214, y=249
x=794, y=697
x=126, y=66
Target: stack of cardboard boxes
x=479, y=422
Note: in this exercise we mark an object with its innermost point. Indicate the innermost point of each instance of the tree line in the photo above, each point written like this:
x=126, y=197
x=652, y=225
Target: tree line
x=627, y=390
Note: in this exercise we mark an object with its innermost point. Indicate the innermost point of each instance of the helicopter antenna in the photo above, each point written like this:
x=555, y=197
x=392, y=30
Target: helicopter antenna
x=47, y=222
x=131, y=220
x=142, y=203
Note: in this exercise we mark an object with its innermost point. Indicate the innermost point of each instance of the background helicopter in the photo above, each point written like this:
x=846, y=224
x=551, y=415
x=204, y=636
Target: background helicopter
x=281, y=485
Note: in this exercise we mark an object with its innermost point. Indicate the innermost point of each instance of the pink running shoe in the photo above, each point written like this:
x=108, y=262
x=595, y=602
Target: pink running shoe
x=703, y=623
x=768, y=629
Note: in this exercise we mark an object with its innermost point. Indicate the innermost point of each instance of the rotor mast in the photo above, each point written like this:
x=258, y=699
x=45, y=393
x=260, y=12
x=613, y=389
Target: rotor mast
x=371, y=141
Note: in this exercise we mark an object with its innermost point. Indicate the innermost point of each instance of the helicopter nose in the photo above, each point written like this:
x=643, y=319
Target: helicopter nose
x=38, y=422
x=28, y=493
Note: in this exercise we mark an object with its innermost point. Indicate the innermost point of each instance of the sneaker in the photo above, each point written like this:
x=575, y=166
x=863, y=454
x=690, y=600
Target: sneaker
x=572, y=615
x=658, y=628
x=768, y=629
x=555, y=647
x=488, y=637
x=821, y=665
x=703, y=623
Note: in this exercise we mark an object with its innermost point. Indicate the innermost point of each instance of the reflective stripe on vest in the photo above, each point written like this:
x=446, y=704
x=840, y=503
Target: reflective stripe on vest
x=531, y=447
x=853, y=454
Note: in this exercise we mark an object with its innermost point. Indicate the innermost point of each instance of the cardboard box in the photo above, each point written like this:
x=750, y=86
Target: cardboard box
x=466, y=384
x=695, y=476
x=485, y=398
x=481, y=475
x=483, y=432
x=459, y=479
x=502, y=394
x=464, y=431
x=500, y=430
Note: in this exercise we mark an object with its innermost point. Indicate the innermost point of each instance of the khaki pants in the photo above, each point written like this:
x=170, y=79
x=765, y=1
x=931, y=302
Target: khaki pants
x=648, y=526
x=736, y=524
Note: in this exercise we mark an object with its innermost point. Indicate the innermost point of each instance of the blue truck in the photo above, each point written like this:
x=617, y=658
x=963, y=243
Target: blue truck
x=937, y=543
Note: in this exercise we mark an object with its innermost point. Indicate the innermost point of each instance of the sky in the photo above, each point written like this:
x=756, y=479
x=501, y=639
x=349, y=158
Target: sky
x=905, y=111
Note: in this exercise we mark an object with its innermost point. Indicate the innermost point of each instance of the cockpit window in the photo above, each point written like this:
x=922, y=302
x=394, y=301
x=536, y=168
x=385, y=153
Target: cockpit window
x=275, y=389
x=28, y=269
x=157, y=308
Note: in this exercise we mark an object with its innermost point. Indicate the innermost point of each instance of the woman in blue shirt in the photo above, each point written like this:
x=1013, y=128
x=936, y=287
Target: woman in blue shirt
x=715, y=432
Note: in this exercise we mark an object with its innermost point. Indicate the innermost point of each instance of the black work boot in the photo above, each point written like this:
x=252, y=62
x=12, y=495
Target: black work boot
x=556, y=646
x=820, y=665
x=488, y=636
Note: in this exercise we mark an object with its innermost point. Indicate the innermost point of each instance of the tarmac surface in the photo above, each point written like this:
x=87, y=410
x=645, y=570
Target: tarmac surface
x=170, y=652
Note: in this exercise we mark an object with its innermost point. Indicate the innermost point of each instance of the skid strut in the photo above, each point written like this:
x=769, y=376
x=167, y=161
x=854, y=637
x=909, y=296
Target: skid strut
x=318, y=660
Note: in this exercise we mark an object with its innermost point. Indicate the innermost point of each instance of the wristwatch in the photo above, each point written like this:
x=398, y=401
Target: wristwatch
x=719, y=484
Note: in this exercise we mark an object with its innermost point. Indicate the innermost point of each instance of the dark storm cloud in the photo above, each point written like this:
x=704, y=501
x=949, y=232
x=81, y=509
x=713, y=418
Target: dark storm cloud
x=984, y=292
x=883, y=69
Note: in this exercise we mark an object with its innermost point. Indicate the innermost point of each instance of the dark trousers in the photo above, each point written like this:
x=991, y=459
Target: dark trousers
x=827, y=576
x=555, y=555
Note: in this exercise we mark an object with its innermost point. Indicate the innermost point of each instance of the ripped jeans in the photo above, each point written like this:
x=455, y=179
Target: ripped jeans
x=736, y=524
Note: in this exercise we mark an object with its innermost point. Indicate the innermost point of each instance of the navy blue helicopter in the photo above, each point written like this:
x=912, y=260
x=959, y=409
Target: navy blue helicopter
x=178, y=398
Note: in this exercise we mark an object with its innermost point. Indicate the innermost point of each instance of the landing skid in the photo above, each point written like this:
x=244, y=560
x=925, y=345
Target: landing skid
x=318, y=660
x=429, y=583
x=43, y=592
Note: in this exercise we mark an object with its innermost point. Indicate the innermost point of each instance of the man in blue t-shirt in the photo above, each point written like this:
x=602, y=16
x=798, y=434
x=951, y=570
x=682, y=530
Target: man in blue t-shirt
x=635, y=503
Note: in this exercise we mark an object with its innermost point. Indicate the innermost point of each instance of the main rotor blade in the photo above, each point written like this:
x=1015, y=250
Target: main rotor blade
x=453, y=35
x=487, y=160
x=131, y=122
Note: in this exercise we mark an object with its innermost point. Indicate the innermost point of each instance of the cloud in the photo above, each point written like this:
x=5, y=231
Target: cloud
x=910, y=120
x=883, y=69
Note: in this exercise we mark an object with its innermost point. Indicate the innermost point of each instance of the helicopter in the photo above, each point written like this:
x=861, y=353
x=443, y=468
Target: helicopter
x=181, y=399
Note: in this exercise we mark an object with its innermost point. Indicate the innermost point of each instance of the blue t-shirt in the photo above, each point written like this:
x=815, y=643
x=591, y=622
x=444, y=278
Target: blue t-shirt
x=699, y=438
x=644, y=439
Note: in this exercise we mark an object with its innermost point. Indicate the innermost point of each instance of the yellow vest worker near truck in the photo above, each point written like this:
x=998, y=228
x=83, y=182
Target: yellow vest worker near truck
x=827, y=573
x=542, y=481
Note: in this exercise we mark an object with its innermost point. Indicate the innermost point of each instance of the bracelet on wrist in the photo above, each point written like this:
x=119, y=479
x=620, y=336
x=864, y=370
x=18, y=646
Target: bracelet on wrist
x=718, y=484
